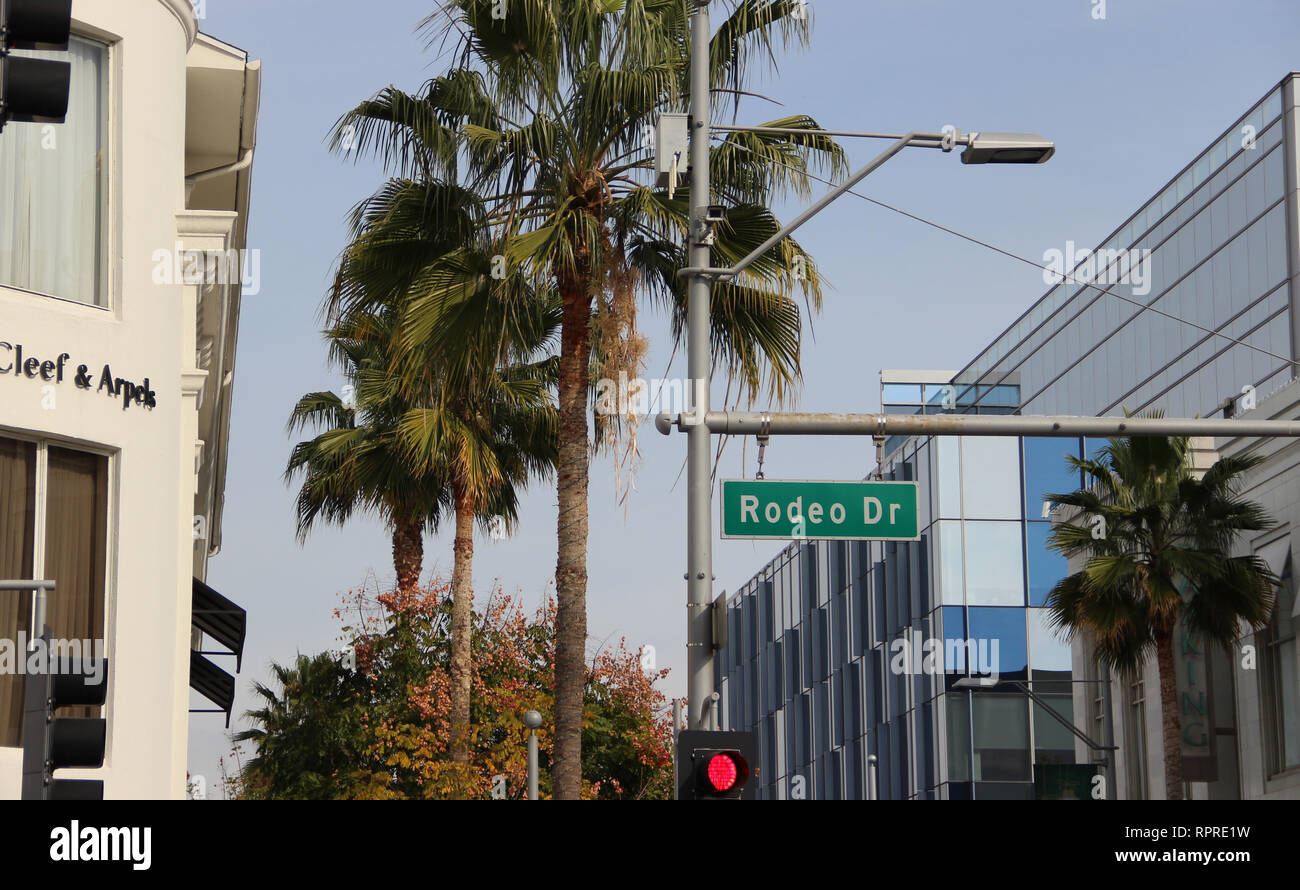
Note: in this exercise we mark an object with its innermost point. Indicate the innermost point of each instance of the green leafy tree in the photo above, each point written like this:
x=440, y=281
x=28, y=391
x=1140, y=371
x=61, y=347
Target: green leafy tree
x=544, y=120
x=1155, y=539
x=305, y=733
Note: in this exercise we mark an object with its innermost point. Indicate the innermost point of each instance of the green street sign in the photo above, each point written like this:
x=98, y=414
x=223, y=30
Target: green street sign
x=856, y=511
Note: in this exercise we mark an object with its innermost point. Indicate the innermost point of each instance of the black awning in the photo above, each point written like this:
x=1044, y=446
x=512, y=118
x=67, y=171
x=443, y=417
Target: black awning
x=220, y=619
x=226, y=623
x=212, y=683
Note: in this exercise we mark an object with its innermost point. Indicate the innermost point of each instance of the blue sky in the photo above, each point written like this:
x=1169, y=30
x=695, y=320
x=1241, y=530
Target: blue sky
x=1128, y=99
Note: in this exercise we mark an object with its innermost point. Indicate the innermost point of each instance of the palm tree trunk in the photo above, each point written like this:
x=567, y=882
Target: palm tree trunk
x=571, y=559
x=462, y=594
x=1171, y=726
x=408, y=554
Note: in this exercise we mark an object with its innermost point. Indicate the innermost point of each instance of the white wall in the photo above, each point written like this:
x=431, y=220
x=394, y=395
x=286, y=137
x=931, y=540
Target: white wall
x=142, y=334
x=1276, y=487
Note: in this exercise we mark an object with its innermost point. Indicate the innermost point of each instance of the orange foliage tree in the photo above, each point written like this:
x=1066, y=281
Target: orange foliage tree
x=375, y=721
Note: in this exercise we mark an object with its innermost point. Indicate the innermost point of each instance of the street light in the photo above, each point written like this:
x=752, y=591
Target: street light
x=981, y=148
x=1007, y=148
x=532, y=720
x=700, y=275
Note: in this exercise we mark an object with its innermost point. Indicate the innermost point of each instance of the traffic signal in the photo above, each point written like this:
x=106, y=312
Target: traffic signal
x=715, y=765
x=51, y=743
x=34, y=89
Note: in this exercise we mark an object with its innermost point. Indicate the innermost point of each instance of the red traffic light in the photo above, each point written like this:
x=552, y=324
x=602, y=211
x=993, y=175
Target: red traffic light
x=722, y=772
x=715, y=765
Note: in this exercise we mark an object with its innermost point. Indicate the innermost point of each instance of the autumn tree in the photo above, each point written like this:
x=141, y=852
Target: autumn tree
x=374, y=722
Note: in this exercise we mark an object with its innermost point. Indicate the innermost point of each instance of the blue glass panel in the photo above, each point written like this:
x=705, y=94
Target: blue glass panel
x=1046, y=471
x=1006, y=627
x=1003, y=395
x=1045, y=566
x=895, y=393
x=1092, y=448
x=954, y=630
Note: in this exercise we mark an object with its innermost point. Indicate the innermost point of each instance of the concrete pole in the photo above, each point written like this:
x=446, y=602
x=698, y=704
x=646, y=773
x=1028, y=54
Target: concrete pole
x=699, y=518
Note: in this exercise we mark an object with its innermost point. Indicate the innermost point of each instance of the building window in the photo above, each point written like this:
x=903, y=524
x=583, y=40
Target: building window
x=1097, y=706
x=995, y=572
x=1053, y=741
x=997, y=643
x=990, y=477
x=1281, y=681
x=53, y=188
x=1044, y=566
x=53, y=526
x=958, y=719
x=1000, y=730
x=1135, y=737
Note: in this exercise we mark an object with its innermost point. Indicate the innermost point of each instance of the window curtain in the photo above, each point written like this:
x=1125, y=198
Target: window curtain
x=17, y=524
x=76, y=521
x=52, y=189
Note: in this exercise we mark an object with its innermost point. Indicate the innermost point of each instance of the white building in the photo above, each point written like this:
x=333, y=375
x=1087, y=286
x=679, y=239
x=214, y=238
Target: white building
x=116, y=364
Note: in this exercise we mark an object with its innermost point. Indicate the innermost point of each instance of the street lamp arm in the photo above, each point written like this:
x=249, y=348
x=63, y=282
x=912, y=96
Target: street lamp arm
x=1078, y=733
x=790, y=227
x=923, y=140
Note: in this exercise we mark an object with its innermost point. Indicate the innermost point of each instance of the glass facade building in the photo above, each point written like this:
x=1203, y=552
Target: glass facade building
x=1185, y=307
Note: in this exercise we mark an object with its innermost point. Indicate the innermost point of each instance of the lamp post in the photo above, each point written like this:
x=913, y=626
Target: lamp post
x=989, y=148
x=532, y=720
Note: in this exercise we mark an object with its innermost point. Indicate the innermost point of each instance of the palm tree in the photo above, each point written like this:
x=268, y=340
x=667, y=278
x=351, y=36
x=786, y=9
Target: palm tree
x=358, y=460
x=480, y=415
x=489, y=428
x=1156, y=544
x=309, y=735
x=543, y=119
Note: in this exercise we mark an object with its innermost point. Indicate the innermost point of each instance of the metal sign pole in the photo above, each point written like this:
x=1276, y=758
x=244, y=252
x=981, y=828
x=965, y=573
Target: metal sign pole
x=699, y=506
x=742, y=423
x=38, y=605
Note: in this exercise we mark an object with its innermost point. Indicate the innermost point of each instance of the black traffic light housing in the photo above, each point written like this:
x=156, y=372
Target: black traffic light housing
x=734, y=756
x=51, y=743
x=34, y=89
